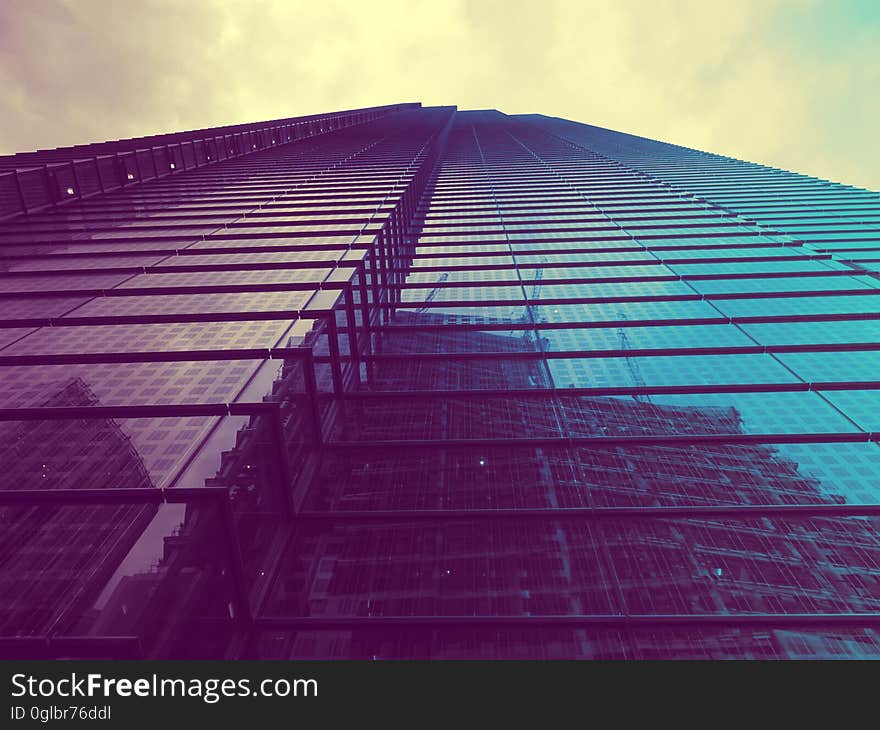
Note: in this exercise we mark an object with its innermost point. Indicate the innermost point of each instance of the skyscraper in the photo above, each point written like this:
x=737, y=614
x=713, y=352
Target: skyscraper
x=417, y=382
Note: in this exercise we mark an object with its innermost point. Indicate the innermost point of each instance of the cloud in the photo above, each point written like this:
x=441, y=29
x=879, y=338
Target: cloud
x=782, y=82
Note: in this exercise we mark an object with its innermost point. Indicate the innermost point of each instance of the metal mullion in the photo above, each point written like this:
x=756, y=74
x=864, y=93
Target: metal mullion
x=284, y=472
x=239, y=577
x=382, y=260
x=374, y=281
x=335, y=357
x=311, y=392
x=353, y=346
x=283, y=538
x=366, y=324
x=19, y=193
x=151, y=150
x=51, y=191
x=137, y=166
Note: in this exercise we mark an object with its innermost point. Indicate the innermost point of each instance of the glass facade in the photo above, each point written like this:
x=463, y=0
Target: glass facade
x=412, y=382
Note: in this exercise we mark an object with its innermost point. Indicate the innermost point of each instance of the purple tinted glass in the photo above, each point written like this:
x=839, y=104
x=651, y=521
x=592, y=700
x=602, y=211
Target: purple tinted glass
x=409, y=382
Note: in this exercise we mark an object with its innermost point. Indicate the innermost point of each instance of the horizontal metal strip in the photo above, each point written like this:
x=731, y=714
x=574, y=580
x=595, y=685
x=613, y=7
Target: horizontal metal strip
x=417, y=304
x=166, y=251
x=122, y=319
x=537, y=225
x=814, y=240
x=54, y=413
x=684, y=229
x=185, y=237
x=745, y=511
x=83, y=647
x=102, y=213
x=298, y=353
x=655, y=244
x=586, y=280
x=372, y=229
x=177, y=268
x=417, y=254
x=606, y=221
x=311, y=623
x=141, y=291
x=337, y=264
x=650, y=260
x=617, y=323
x=520, y=301
x=587, y=441
x=278, y=353
x=642, y=390
x=149, y=495
x=439, y=304
x=598, y=354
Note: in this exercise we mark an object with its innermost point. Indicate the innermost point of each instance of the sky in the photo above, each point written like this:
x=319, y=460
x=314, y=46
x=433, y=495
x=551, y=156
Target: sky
x=789, y=83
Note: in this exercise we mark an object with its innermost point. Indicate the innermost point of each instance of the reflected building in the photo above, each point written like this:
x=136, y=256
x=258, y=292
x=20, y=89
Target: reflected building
x=57, y=557
x=556, y=567
x=410, y=382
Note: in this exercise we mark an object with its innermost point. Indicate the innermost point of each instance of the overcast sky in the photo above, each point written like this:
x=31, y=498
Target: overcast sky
x=790, y=83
